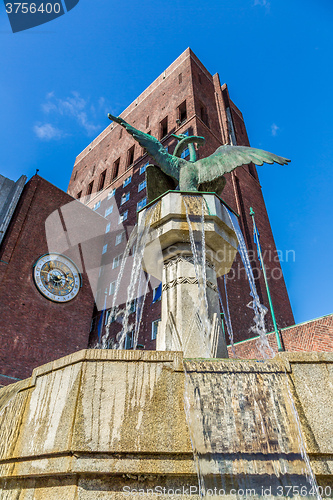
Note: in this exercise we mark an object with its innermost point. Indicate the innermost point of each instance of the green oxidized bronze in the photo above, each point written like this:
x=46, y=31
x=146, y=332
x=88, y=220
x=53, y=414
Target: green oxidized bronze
x=205, y=175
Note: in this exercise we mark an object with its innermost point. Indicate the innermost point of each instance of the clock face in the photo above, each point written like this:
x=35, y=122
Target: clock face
x=57, y=277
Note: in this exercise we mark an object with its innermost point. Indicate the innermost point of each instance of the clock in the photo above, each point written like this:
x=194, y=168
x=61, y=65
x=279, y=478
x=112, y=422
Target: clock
x=57, y=277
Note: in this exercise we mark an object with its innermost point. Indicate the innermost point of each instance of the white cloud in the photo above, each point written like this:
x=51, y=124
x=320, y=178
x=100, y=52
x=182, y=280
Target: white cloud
x=274, y=129
x=47, y=132
x=262, y=3
x=73, y=106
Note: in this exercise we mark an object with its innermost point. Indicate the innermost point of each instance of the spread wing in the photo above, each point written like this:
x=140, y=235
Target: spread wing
x=168, y=163
x=226, y=158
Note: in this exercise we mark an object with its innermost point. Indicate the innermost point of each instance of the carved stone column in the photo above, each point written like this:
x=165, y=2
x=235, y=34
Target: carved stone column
x=190, y=318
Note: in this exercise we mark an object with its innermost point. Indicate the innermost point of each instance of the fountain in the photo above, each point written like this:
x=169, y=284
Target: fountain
x=112, y=423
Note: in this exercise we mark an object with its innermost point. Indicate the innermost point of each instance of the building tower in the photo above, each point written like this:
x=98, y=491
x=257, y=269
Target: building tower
x=109, y=177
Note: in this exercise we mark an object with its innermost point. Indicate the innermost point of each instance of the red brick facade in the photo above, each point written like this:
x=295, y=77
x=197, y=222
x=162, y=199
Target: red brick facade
x=312, y=336
x=108, y=160
x=35, y=330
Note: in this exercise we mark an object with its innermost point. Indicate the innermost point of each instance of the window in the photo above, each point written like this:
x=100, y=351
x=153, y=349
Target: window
x=105, y=249
x=97, y=205
x=120, y=133
x=101, y=180
x=108, y=211
x=154, y=328
x=142, y=185
x=204, y=114
x=166, y=148
x=199, y=78
x=101, y=271
x=112, y=288
x=125, y=197
x=127, y=181
x=143, y=168
x=180, y=77
x=107, y=229
x=164, y=127
x=115, y=170
x=185, y=153
x=157, y=293
x=130, y=156
x=90, y=188
x=123, y=217
x=147, y=122
x=133, y=306
x=75, y=175
x=107, y=317
x=182, y=112
x=78, y=196
x=116, y=261
x=111, y=193
x=129, y=341
x=142, y=203
x=120, y=237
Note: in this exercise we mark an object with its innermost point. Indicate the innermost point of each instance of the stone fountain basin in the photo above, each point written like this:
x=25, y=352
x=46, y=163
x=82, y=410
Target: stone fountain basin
x=89, y=424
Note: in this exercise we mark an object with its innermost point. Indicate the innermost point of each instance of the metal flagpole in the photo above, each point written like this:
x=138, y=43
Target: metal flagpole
x=277, y=335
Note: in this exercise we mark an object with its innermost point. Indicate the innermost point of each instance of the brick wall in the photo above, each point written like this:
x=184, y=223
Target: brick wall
x=312, y=336
x=33, y=329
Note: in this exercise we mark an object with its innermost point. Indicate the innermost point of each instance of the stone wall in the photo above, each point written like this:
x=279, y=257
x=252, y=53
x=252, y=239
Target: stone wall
x=100, y=424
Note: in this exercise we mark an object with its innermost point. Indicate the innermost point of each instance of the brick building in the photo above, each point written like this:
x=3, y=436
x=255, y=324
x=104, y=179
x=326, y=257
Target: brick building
x=109, y=177
x=34, y=328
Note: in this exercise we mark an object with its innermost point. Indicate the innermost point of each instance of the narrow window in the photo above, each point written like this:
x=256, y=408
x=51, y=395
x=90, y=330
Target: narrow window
x=182, y=112
x=105, y=249
x=143, y=168
x=116, y=261
x=147, y=122
x=180, y=77
x=112, y=287
x=108, y=211
x=90, y=188
x=101, y=180
x=75, y=175
x=204, y=114
x=129, y=341
x=115, y=170
x=123, y=217
x=120, y=133
x=154, y=328
x=157, y=293
x=142, y=203
x=78, y=196
x=120, y=237
x=164, y=127
x=127, y=181
x=130, y=156
x=93, y=170
x=141, y=186
x=107, y=229
x=97, y=205
x=125, y=197
x=199, y=78
x=111, y=193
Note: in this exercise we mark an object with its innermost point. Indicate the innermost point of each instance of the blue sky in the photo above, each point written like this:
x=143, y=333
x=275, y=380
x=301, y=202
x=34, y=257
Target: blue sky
x=59, y=80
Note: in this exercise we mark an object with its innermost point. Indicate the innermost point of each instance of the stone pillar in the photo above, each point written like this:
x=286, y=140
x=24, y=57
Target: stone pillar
x=186, y=323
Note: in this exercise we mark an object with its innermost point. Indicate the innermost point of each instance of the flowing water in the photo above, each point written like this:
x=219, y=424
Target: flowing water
x=137, y=241
x=245, y=431
x=260, y=310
